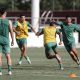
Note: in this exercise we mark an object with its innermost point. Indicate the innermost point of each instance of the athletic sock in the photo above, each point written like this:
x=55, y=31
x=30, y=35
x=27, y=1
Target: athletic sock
x=27, y=58
x=61, y=66
x=20, y=58
x=9, y=68
x=0, y=68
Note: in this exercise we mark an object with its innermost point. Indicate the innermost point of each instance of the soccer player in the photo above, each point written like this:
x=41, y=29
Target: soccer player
x=50, y=42
x=21, y=30
x=5, y=28
x=67, y=29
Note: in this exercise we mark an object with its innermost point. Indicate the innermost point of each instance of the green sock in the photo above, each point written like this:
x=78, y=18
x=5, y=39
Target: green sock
x=9, y=68
x=0, y=68
x=60, y=64
x=20, y=58
x=26, y=57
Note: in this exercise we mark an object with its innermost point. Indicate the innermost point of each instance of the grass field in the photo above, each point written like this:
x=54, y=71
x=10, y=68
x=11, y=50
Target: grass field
x=41, y=68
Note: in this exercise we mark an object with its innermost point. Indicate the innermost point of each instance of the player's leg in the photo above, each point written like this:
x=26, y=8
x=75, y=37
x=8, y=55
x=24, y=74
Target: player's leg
x=0, y=60
x=75, y=53
x=6, y=51
x=20, y=45
x=74, y=50
x=48, y=51
x=21, y=57
x=0, y=63
x=24, y=51
x=9, y=63
x=24, y=42
x=57, y=56
x=23, y=48
x=69, y=48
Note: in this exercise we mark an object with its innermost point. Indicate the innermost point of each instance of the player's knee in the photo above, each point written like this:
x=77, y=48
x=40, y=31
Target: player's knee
x=71, y=52
x=8, y=56
x=49, y=56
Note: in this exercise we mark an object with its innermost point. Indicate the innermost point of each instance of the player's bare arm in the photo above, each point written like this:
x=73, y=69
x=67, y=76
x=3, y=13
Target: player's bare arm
x=32, y=29
x=11, y=32
x=17, y=32
x=60, y=37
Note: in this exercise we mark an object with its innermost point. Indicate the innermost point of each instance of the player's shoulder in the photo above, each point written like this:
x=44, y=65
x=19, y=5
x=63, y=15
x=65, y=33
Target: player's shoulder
x=74, y=25
x=6, y=19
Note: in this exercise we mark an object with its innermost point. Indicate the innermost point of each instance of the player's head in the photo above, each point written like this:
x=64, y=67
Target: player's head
x=22, y=17
x=68, y=19
x=3, y=12
x=51, y=23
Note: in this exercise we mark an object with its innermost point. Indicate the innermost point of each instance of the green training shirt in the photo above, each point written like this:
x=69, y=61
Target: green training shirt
x=67, y=31
x=4, y=30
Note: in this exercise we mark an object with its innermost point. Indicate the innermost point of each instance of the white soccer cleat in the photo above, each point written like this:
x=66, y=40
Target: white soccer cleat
x=78, y=62
x=20, y=62
x=29, y=61
x=0, y=73
x=62, y=68
x=9, y=73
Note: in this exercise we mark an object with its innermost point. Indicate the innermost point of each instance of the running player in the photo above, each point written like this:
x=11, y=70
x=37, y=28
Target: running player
x=21, y=30
x=5, y=27
x=67, y=29
x=50, y=42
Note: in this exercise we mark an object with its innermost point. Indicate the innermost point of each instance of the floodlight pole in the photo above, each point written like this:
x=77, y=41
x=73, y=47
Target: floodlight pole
x=35, y=13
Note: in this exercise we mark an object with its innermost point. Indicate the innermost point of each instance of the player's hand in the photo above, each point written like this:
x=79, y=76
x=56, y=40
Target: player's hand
x=60, y=43
x=37, y=34
x=12, y=43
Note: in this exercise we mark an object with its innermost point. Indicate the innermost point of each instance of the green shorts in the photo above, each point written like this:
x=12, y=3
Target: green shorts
x=4, y=45
x=21, y=42
x=69, y=46
x=50, y=46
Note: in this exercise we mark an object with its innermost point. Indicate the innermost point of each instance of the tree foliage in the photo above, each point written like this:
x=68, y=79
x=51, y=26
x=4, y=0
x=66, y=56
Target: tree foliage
x=23, y=5
x=44, y=4
x=60, y=4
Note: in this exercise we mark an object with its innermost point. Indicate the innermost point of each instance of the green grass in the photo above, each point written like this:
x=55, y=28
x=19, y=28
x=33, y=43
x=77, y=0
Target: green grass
x=41, y=68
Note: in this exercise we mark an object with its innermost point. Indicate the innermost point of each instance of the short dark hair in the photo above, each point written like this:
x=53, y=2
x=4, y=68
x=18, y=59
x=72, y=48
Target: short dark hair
x=21, y=16
x=2, y=10
x=51, y=23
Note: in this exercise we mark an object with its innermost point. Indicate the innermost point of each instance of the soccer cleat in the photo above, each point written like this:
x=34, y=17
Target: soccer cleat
x=78, y=62
x=79, y=65
x=62, y=68
x=29, y=61
x=0, y=73
x=9, y=73
x=20, y=62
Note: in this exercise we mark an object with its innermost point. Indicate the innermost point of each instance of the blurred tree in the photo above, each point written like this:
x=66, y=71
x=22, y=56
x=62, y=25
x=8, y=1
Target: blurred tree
x=60, y=4
x=24, y=4
x=4, y=3
x=66, y=4
x=76, y=4
x=44, y=4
